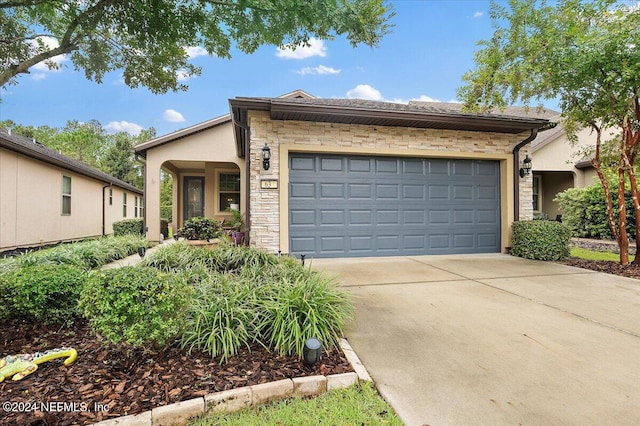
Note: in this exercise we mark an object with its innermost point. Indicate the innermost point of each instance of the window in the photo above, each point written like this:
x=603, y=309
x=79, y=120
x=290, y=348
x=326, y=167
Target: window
x=124, y=204
x=135, y=209
x=141, y=207
x=229, y=184
x=536, y=193
x=110, y=196
x=66, y=195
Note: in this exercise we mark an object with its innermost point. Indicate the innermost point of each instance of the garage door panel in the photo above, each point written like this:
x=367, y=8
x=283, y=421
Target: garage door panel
x=345, y=205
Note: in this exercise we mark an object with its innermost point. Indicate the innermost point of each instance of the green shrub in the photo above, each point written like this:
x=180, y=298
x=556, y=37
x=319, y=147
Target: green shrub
x=584, y=211
x=201, y=228
x=128, y=227
x=540, y=240
x=44, y=293
x=136, y=305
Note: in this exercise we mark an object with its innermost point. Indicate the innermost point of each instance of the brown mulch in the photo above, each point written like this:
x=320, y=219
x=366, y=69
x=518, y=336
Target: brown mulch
x=108, y=381
x=632, y=270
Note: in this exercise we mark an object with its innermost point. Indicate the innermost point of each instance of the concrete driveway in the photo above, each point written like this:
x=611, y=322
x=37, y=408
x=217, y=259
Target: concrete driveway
x=495, y=340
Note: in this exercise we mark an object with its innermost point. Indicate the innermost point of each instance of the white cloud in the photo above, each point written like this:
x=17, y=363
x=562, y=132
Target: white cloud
x=195, y=51
x=478, y=14
x=364, y=91
x=123, y=126
x=315, y=48
x=42, y=67
x=173, y=116
x=320, y=69
x=183, y=76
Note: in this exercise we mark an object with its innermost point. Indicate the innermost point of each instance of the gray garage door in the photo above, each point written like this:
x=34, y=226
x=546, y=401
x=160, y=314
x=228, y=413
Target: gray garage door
x=349, y=205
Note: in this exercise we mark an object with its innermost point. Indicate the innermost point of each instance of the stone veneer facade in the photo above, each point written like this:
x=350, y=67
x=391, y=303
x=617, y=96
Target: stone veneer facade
x=264, y=219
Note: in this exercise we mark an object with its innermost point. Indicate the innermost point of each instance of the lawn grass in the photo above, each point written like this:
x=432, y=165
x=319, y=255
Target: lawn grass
x=356, y=405
x=596, y=255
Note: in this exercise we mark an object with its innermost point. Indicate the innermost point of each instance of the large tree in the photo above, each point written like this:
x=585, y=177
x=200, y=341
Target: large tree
x=586, y=54
x=147, y=39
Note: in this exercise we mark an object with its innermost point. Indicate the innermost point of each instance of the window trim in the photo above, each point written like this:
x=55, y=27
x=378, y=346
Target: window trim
x=219, y=192
x=66, y=196
x=536, y=190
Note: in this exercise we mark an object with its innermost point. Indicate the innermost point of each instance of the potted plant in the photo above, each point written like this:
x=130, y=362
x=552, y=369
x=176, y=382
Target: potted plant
x=200, y=230
x=236, y=223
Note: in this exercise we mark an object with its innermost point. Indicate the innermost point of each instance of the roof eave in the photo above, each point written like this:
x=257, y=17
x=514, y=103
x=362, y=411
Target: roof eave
x=42, y=157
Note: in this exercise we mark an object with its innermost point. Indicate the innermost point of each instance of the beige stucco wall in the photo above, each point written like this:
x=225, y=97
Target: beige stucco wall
x=213, y=146
x=268, y=215
x=31, y=203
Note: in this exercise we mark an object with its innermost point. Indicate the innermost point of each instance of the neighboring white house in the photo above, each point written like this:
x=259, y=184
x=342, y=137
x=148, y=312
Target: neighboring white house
x=47, y=198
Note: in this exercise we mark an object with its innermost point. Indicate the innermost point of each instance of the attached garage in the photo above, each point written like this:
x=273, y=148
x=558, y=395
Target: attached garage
x=355, y=178
x=358, y=205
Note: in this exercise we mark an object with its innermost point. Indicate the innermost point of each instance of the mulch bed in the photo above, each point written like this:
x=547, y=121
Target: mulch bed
x=108, y=381
x=632, y=270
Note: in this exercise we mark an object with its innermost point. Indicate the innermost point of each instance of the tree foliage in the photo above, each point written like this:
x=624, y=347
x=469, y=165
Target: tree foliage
x=586, y=55
x=147, y=39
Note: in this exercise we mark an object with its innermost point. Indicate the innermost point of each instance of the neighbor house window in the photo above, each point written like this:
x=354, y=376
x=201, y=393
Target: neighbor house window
x=135, y=209
x=66, y=195
x=110, y=196
x=536, y=193
x=124, y=204
x=229, y=184
x=141, y=207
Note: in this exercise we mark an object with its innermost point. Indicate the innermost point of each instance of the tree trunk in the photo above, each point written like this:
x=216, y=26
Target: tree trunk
x=623, y=240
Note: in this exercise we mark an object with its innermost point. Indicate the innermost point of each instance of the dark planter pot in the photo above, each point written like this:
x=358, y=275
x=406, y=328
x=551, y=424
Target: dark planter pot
x=142, y=251
x=237, y=237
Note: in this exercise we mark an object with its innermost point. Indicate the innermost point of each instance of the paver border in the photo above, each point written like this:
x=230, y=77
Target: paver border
x=248, y=396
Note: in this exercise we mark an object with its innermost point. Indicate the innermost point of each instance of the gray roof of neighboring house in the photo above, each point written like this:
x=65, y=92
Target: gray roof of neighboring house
x=36, y=150
x=436, y=115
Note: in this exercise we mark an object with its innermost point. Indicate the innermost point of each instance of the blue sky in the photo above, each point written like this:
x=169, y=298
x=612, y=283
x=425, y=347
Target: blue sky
x=431, y=46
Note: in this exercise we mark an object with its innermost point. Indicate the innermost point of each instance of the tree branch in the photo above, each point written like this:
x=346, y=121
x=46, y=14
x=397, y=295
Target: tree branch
x=18, y=39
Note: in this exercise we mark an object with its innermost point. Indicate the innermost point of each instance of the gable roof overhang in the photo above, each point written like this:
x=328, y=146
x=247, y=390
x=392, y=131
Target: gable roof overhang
x=35, y=150
x=352, y=111
x=142, y=148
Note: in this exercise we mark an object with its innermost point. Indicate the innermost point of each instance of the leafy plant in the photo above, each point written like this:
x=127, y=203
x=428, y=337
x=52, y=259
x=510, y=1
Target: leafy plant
x=237, y=220
x=136, y=305
x=540, y=240
x=44, y=293
x=201, y=228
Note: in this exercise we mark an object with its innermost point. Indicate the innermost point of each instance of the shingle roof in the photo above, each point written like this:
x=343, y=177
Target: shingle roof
x=36, y=150
x=434, y=115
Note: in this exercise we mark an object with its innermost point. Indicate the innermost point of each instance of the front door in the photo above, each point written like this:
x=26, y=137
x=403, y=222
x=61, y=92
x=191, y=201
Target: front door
x=193, y=197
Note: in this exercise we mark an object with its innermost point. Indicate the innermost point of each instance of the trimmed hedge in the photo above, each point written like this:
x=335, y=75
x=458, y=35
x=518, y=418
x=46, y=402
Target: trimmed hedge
x=128, y=226
x=45, y=293
x=540, y=240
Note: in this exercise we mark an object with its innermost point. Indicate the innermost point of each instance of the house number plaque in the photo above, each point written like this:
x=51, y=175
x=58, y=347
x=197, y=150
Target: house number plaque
x=269, y=184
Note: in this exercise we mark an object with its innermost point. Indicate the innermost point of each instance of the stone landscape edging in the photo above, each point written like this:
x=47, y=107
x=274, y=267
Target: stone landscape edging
x=236, y=399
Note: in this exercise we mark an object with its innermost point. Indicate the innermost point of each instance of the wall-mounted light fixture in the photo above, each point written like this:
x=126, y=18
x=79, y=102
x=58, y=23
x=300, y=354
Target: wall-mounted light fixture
x=526, y=167
x=266, y=157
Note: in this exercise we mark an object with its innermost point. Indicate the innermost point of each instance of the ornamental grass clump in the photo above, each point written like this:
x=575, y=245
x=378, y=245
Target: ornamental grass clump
x=140, y=306
x=304, y=304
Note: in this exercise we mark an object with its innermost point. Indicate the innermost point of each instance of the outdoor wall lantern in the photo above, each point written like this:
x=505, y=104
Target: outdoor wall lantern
x=266, y=157
x=526, y=167
x=312, y=351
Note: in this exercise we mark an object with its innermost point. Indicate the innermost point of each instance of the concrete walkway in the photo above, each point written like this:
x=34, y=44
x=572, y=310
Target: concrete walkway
x=495, y=340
